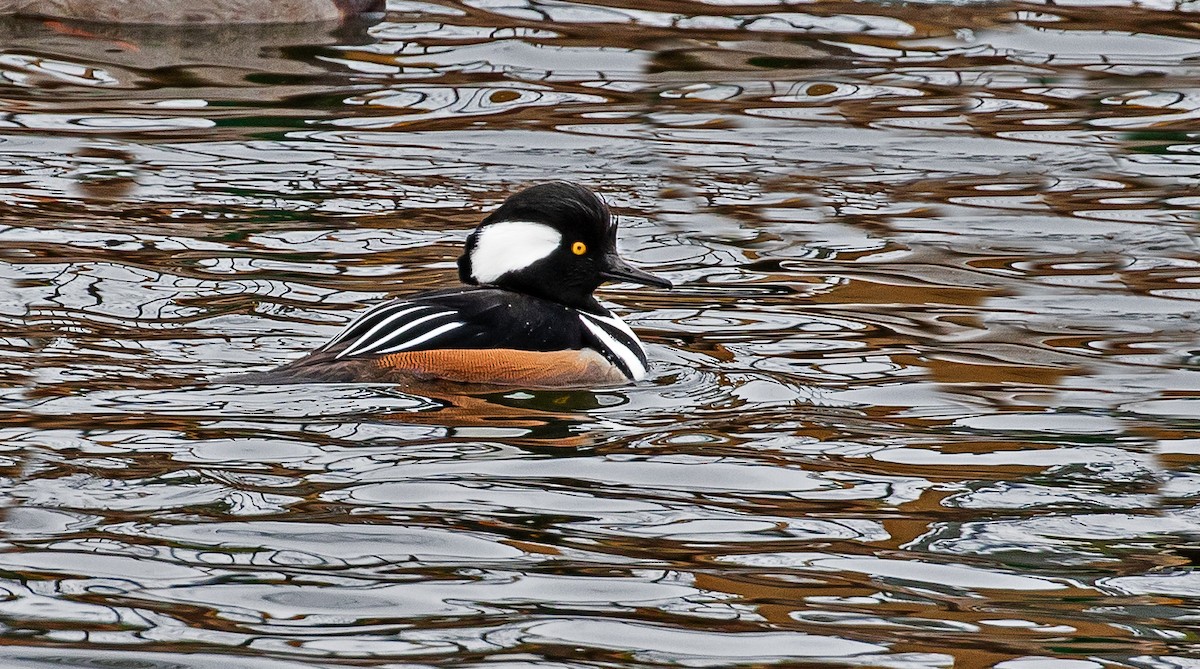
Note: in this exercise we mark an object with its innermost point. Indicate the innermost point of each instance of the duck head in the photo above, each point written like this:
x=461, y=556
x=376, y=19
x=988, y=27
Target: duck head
x=556, y=241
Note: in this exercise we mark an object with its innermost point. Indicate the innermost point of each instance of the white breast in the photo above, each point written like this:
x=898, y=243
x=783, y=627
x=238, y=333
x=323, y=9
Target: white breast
x=615, y=335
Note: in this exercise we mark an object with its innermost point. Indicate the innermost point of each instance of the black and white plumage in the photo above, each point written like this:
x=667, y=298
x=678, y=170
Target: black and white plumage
x=527, y=317
x=488, y=318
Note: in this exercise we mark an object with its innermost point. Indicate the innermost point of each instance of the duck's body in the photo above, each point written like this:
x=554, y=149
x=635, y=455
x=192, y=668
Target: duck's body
x=181, y=12
x=474, y=335
x=527, y=317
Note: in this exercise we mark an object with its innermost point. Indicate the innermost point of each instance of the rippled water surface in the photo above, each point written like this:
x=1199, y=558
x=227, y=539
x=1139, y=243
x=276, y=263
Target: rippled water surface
x=927, y=393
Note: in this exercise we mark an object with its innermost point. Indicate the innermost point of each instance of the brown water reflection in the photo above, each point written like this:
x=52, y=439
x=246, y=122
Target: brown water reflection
x=926, y=395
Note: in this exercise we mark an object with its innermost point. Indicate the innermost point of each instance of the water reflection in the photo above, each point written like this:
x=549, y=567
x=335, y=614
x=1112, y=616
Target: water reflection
x=926, y=394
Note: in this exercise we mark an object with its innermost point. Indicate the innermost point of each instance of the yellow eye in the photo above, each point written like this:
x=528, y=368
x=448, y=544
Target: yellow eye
x=579, y=248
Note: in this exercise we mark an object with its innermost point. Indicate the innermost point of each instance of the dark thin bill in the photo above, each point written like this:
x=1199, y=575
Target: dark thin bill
x=617, y=269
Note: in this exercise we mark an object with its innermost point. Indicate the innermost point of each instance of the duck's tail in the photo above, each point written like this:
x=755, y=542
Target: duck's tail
x=316, y=368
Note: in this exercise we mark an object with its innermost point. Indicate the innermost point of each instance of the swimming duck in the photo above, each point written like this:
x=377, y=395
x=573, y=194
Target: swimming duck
x=526, y=317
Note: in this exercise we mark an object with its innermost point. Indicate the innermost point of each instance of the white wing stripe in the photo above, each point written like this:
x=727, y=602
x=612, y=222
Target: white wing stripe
x=365, y=344
x=424, y=338
x=382, y=324
x=631, y=359
x=358, y=321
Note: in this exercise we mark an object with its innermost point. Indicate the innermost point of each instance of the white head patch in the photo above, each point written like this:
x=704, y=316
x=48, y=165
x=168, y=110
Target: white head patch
x=509, y=246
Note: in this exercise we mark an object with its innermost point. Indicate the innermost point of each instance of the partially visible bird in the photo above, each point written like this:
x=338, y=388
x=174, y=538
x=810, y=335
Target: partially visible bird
x=180, y=12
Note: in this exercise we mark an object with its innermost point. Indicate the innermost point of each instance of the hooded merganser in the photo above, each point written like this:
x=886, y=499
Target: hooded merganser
x=528, y=317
